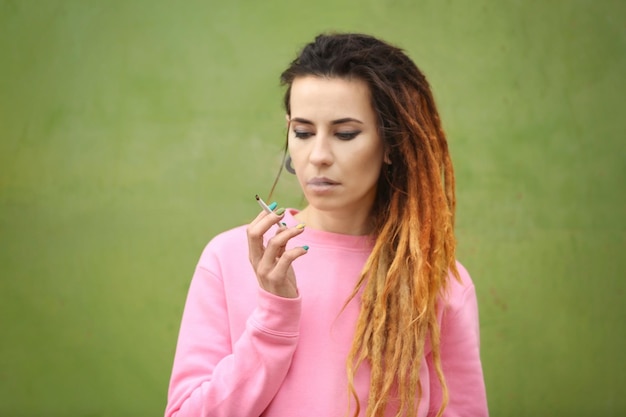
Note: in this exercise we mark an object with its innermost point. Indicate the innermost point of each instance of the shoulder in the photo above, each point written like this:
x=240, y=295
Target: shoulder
x=459, y=291
x=225, y=240
x=225, y=244
x=459, y=313
x=465, y=278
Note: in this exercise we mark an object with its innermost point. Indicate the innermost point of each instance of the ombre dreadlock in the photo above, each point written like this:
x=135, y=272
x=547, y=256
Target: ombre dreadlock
x=413, y=216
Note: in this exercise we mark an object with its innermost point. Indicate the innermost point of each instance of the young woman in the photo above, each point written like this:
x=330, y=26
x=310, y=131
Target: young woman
x=354, y=305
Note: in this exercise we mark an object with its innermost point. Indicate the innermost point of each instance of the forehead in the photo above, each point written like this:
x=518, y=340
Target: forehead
x=330, y=97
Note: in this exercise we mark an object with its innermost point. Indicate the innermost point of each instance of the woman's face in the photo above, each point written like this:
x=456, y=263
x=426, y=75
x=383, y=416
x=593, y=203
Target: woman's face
x=334, y=143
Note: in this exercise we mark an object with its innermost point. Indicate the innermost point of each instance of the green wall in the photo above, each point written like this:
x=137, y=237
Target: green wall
x=133, y=131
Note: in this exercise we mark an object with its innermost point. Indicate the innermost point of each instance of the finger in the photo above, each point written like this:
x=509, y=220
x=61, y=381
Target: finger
x=277, y=244
x=273, y=251
x=282, y=279
x=281, y=228
x=257, y=229
x=262, y=214
x=283, y=266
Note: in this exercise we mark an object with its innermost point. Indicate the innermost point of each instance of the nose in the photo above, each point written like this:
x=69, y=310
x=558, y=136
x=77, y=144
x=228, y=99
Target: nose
x=321, y=151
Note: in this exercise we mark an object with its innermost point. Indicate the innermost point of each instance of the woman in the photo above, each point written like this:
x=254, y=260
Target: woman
x=364, y=311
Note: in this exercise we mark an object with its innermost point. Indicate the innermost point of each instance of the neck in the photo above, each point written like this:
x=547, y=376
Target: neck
x=356, y=224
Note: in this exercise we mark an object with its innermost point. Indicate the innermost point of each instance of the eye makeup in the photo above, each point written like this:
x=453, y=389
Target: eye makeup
x=347, y=135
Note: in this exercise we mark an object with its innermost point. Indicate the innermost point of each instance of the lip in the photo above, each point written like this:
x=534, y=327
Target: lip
x=320, y=185
x=321, y=181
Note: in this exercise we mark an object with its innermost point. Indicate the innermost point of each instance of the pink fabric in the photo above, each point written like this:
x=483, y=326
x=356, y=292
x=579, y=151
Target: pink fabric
x=245, y=352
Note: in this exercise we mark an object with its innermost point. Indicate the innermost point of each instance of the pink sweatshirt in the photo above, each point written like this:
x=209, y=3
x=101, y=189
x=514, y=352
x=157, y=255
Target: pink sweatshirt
x=245, y=352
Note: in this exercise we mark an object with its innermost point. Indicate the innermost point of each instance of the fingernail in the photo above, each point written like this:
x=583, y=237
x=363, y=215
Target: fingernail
x=283, y=224
x=306, y=248
x=300, y=226
x=273, y=205
x=279, y=211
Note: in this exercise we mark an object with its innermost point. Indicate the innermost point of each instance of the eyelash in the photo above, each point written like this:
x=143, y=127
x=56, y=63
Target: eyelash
x=347, y=135
x=302, y=134
x=340, y=135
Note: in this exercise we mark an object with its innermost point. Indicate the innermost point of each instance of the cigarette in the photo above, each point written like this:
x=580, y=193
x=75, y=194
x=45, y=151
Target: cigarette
x=262, y=204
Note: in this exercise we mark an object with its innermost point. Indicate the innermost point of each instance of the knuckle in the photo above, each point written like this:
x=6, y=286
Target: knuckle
x=275, y=242
x=252, y=232
x=263, y=272
x=289, y=257
x=286, y=259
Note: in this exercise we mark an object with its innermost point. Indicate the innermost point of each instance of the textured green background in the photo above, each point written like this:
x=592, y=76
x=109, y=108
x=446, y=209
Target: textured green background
x=133, y=131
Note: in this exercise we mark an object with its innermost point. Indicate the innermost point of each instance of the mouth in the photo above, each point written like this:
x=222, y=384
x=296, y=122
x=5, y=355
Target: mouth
x=322, y=186
x=321, y=182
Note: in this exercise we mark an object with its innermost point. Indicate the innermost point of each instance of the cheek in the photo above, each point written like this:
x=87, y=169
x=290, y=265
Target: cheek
x=294, y=145
x=295, y=155
x=367, y=168
x=297, y=160
x=370, y=160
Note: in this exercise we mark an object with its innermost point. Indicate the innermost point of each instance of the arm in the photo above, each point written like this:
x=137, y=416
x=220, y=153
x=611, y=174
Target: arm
x=460, y=356
x=213, y=377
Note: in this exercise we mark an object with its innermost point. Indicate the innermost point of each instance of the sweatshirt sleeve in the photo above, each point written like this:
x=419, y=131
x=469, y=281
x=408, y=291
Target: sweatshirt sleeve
x=460, y=355
x=211, y=376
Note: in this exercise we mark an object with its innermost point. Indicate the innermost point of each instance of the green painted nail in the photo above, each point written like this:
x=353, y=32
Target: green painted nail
x=280, y=211
x=273, y=205
x=305, y=247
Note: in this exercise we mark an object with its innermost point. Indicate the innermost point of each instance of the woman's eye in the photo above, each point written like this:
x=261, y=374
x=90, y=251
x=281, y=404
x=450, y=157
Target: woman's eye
x=301, y=134
x=347, y=135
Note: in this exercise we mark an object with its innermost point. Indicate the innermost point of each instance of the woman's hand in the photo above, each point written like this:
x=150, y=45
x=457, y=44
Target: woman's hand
x=272, y=264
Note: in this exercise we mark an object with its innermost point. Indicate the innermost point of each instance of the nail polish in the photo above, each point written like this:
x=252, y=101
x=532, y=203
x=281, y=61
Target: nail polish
x=280, y=211
x=273, y=205
x=305, y=247
x=300, y=226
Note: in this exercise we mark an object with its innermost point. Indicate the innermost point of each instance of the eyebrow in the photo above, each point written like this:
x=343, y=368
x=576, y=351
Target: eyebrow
x=334, y=122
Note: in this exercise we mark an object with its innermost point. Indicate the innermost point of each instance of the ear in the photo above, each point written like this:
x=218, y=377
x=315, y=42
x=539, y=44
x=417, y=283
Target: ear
x=387, y=159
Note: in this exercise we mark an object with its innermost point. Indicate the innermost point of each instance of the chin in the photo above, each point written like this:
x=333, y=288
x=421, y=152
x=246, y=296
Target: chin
x=322, y=203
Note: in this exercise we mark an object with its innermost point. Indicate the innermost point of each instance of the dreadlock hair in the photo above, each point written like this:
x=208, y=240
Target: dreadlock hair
x=413, y=217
